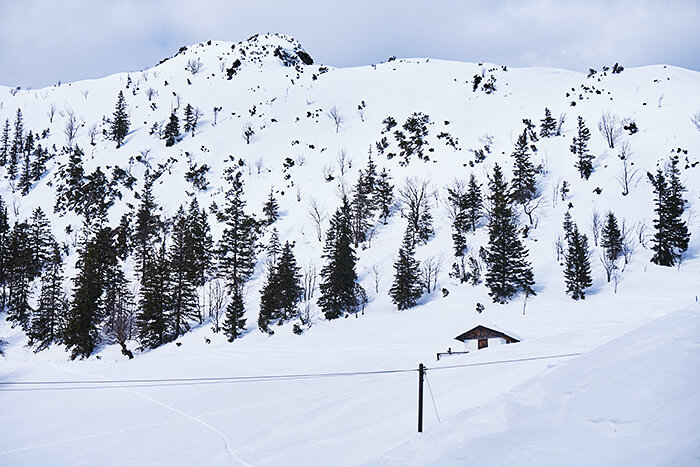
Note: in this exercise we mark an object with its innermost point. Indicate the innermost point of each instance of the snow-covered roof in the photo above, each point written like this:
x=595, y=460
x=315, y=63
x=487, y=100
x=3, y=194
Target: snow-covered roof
x=488, y=330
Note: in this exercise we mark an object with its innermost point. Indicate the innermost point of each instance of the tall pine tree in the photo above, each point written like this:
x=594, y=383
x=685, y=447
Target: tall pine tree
x=120, y=121
x=577, y=272
x=579, y=147
x=671, y=237
x=48, y=321
x=509, y=270
x=524, y=184
x=280, y=296
x=548, y=125
x=338, y=292
x=407, y=287
x=237, y=251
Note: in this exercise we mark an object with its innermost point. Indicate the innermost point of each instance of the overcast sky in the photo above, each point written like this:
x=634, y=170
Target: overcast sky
x=46, y=41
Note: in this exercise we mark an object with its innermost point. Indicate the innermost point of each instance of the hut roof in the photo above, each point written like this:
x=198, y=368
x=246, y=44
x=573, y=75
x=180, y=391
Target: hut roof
x=484, y=332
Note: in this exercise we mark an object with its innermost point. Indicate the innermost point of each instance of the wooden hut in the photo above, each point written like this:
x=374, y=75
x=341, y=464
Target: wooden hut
x=482, y=336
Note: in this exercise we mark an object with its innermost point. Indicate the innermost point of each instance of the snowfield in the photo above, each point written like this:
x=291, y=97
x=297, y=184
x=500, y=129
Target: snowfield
x=622, y=386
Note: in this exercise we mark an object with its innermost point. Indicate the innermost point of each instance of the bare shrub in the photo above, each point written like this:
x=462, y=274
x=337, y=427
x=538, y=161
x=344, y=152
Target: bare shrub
x=337, y=118
x=193, y=66
x=610, y=127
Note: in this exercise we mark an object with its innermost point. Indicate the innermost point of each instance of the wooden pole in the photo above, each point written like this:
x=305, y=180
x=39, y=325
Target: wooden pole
x=421, y=375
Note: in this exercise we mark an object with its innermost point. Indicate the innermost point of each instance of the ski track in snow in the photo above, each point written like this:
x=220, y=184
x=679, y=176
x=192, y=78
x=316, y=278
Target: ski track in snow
x=227, y=443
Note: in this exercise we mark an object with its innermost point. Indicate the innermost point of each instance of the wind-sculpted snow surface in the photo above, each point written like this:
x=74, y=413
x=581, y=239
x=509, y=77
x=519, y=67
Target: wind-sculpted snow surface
x=303, y=130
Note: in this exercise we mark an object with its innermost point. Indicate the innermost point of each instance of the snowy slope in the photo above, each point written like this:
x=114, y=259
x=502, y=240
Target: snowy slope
x=347, y=421
x=633, y=401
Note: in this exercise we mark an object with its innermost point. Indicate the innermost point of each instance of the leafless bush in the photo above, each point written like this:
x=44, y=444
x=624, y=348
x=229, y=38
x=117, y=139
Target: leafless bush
x=610, y=127
x=640, y=229
x=85, y=93
x=216, y=298
x=415, y=200
x=92, y=134
x=376, y=273
x=530, y=208
x=318, y=214
x=328, y=171
x=193, y=66
x=560, y=124
x=628, y=175
x=71, y=127
x=344, y=161
x=51, y=112
x=259, y=165
x=559, y=248
x=596, y=225
x=151, y=93
x=430, y=268
x=337, y=118
x=628, y=245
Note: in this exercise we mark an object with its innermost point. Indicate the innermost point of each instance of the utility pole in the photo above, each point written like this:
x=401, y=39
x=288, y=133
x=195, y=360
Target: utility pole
x=421, y=375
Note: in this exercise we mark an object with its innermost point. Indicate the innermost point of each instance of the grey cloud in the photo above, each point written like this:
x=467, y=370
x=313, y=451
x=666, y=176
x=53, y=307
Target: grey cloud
x=42, y=42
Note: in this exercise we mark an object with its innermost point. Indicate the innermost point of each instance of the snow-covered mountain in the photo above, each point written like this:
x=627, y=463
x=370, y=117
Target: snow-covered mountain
x=270, y=85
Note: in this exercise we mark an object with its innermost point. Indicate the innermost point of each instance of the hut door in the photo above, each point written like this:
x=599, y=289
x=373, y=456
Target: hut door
x=483, y=343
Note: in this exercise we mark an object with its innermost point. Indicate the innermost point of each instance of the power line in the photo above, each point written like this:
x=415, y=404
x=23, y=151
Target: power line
x=505, y=361
x=26, y=386
x=164, y=382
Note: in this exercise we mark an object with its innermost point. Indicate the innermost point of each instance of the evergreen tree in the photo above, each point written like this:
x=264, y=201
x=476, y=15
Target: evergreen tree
x=282, y=291
x=189, y=120
x=5, y=253
x=25, y=175
x=238, y=242
x=611, y=237
x=38, y=164
x=524, y=184
x=146, y=225
x=338, y=275
x=548, y=127
x=361, y=209
x=21, y=270
x=234, y=322
x=124, y=241
x=17, y=148
x=370, y=182
x=236, y=251
x=172, y=130
x=155, y=301
x=508, y=268
x=271, y=209
x=579, y=148
x=40, y=241
x=457, y=198
x=48, y=321
x=577, y=272
x=202, y=243
x=120, y=121
x=274, y=248
x=119, y=305
x=568, y=224
x=671, y=237
x=384, y=195
x=473, y=203
x=407, y=287
x=86, y=311
x=189, y=259
x=5, y=143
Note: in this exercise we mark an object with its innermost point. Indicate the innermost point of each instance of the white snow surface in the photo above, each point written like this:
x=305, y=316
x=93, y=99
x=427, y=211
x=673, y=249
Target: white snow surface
x=630, y=398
